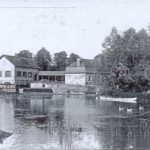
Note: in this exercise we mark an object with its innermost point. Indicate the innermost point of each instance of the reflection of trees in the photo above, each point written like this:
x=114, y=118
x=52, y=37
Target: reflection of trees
x=123, y=133
x=143, y=133
x=36, y=105
x=111, y=133
x=57, y=101
x=59, y=126
x=90, y=100
x=56, y=124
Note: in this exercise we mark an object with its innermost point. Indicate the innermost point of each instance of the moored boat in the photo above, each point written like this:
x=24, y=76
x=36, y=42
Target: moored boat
x=119, y=99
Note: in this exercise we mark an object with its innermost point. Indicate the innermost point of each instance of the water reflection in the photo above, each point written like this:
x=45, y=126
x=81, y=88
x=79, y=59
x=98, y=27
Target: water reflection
x=74, y=122
x=6, y=115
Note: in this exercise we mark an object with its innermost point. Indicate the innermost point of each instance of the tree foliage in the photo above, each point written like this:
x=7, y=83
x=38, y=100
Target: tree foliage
x=72, y=58
x=131, y=48
x=60, y=60
x=43, y=59
x=24, y=53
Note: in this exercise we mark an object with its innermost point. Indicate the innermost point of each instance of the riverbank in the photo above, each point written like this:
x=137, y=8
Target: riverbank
x=62, y=89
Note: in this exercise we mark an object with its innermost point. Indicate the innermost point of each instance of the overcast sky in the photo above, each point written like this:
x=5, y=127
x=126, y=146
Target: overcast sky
x=78, y=26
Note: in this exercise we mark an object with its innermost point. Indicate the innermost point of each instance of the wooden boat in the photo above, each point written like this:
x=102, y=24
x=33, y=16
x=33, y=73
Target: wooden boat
x=49, y=90
x=125, y=100
x=38, y=118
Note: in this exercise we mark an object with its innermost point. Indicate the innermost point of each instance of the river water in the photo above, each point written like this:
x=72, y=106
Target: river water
x=75, y=122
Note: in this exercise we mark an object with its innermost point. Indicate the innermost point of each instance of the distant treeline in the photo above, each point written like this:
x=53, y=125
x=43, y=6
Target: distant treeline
x=46, y=62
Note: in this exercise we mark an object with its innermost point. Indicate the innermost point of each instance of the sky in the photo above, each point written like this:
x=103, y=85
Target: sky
x=78, y=26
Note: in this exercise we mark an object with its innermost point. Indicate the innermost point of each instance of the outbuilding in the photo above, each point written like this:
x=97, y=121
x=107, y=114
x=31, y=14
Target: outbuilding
x=80, y=72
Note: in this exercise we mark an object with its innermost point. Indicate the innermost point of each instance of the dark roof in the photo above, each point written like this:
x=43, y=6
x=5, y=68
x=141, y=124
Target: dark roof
x=86, y=65
x=22, y=61
x=51, y=73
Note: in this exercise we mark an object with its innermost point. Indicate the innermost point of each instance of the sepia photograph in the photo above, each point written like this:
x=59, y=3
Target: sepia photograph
x=74, y=75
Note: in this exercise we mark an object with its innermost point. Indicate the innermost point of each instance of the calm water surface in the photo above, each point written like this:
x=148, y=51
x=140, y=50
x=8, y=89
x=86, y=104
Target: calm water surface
x=75, y=122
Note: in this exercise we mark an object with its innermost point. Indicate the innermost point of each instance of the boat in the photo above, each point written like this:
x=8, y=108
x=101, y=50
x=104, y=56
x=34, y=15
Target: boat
x=119, y=99
x=36, y=91
x=38, y=118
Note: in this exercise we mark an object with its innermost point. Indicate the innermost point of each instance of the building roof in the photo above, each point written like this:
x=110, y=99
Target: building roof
x=22, y=61
x=51, y=73
x=86, y=66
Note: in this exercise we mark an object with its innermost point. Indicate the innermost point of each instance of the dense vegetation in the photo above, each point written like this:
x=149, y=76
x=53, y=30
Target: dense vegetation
x=125, y=55
x=46, y=62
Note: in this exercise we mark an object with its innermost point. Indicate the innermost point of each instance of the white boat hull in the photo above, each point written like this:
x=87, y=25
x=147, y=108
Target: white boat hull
x=125, y=100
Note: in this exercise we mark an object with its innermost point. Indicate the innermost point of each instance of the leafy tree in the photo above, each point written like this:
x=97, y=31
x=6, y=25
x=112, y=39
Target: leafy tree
x=60, y=60
x=43, y=59
x=24, y=53
x=112, y=49
x=72, y=58
x=130, y=48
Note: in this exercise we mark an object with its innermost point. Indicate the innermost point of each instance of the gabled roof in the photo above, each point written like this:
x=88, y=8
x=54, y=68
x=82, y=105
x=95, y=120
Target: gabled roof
x=86, y=66
x=21, y=61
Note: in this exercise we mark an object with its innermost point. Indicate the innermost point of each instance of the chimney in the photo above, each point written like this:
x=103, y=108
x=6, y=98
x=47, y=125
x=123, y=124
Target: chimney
x=78, y=62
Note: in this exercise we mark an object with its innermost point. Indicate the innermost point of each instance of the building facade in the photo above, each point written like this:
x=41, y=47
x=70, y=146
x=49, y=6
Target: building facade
x=52, y=76
x=18, y=70
x=80, y=73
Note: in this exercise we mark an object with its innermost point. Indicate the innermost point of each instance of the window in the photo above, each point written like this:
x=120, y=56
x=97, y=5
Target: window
x=18, y=73
x=30, y=74
x=7, y=73
x=24, y=74
x=0, y=73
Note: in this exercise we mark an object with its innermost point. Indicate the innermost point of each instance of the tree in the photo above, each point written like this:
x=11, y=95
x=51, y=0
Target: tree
x=60, y=60
x=112, y=52
x=129, y=48
x=43, y=59
x=132, y=49
x=24, y=53
x=72, y=58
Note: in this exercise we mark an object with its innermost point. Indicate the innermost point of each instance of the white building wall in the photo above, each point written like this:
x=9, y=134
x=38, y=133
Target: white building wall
x=36, y=85
x=75, y=79
x=6, y=65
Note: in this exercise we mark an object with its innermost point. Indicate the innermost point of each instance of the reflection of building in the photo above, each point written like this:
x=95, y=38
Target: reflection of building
x=17, y=70
x=22, y=103
x=6, y=116
x=39, y=106
x=80, y=72
x=52, y=75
